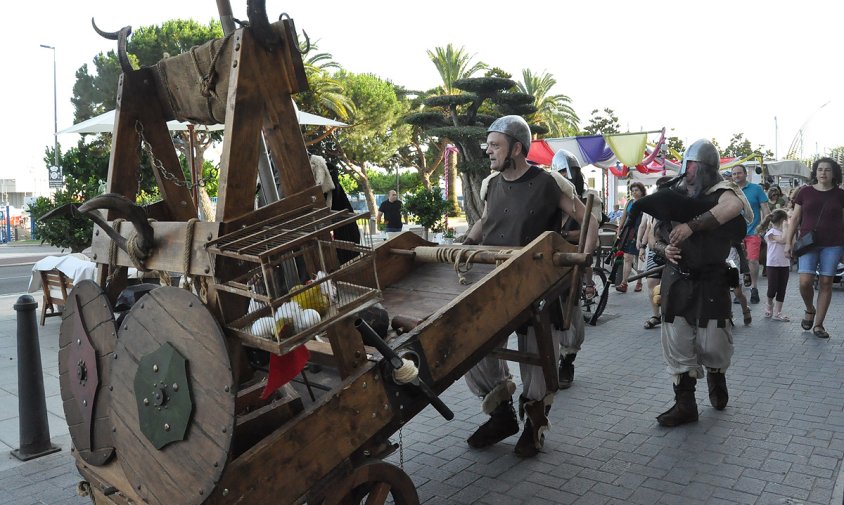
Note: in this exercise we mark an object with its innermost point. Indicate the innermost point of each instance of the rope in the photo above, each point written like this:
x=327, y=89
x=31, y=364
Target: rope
x=186, y=256
x=460, y=257
x=406, y=373
x=208, y=80
x=112, y=252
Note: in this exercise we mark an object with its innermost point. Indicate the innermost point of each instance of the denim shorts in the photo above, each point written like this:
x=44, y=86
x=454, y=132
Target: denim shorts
x=823, y=261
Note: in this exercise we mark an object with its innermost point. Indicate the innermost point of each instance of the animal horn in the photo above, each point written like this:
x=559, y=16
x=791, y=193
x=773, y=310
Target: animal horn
x=121, y=36
x=145, y=238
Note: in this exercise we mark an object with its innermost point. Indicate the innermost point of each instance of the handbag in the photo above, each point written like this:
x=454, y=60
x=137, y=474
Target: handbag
x=807, y=241
x=804, y=244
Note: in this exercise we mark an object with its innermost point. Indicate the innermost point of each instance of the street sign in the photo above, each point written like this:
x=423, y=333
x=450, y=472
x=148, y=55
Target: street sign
x=56, y=179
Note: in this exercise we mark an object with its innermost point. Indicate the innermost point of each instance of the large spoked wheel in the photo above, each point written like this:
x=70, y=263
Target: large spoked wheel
x=374, y=483
x=594, y=298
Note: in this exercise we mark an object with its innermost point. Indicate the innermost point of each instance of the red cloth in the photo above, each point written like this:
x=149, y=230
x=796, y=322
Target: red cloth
x=283, y=368
x=540, y=153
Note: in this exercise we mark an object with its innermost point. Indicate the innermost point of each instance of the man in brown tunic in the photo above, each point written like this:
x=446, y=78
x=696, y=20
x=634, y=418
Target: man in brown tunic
x=521, y=202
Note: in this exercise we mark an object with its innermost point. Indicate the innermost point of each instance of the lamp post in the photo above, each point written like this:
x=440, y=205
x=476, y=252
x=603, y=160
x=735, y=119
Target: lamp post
x=55, y=108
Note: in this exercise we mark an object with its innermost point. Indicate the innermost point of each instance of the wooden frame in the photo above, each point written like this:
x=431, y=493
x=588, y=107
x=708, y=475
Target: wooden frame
x=57, y=280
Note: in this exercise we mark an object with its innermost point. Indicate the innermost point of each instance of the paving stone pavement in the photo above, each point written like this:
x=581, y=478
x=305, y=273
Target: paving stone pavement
x=780, y=440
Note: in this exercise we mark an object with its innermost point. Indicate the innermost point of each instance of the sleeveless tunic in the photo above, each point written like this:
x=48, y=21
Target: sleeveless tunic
x=698, y=289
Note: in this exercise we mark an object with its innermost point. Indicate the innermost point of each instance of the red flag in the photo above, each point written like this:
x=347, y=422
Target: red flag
x=284, y=368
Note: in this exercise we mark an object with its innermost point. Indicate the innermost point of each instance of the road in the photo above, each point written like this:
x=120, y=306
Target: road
x=14, y=279
x=16, y=266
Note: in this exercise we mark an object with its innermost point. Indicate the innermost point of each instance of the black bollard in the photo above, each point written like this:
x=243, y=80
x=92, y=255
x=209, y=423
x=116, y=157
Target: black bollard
x=32, y=406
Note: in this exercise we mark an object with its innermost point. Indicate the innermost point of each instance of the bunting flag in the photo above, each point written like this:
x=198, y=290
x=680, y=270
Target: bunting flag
x=619, y=170
x=569, y=144
x=594, y=148
x=628, y=147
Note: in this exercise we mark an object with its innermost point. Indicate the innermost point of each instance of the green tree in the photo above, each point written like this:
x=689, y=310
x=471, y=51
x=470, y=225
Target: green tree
x=422, y=152
x=602, y=123
x=463, y=119
x=740, y=147
x=376, y=132
x=428, y=207
x=96, y=93
x=453, y=65
x=552, y=111
x=325, y=96
x=85, y=168
x=675, y=147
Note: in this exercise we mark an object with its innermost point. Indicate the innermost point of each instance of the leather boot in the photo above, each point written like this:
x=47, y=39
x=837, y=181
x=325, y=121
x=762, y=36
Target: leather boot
x=685, y=407
x=717, y=382
x=501, y=424
x=536, y=424
x=566, y=372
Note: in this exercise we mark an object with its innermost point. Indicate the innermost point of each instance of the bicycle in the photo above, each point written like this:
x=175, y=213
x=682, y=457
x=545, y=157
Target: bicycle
x=599, y=280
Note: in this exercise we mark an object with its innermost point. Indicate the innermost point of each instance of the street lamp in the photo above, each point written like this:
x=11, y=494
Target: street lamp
x=55, y=109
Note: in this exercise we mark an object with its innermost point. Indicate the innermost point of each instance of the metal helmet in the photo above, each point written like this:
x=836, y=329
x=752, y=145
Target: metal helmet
x=515, y=127
x=563, y=162
x=704, y=152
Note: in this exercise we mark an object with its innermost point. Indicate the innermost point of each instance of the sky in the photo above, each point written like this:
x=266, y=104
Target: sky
x=769, y=70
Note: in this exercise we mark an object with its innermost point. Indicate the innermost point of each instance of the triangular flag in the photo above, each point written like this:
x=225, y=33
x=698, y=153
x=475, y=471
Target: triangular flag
x=284, y=368
x=628, y=147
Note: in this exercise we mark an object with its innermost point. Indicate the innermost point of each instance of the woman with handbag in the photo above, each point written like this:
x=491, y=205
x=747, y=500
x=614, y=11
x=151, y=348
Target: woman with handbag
x=819, y=216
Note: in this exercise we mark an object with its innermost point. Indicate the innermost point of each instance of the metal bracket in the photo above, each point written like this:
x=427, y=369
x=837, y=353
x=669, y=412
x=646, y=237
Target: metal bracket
x=163, y=393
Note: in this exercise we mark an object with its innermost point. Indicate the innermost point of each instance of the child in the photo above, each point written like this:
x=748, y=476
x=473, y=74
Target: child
x=777, y=264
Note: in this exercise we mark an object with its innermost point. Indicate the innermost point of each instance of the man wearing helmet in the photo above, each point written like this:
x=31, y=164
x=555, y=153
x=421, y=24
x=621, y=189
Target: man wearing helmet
x=521, y=202
x=696, y=284
x=567, y=165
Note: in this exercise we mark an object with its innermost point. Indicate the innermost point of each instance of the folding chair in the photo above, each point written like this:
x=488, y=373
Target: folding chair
x=56, y=286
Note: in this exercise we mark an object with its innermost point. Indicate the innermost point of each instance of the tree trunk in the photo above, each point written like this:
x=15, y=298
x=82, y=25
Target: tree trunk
x=451, y=180
x=472, y=202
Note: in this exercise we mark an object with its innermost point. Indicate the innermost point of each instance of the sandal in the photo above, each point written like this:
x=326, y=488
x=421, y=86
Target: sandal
x=769, y=310
x=589, y=291
x=638, y=286
x=748, y=318
x=780, y=317
x=653, y=322
x=820, y=332
x=807, y=322
x=621, y=288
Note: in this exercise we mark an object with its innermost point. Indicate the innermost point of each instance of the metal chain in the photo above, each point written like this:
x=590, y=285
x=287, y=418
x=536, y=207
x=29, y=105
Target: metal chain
x=156, y=163
x=401, y=449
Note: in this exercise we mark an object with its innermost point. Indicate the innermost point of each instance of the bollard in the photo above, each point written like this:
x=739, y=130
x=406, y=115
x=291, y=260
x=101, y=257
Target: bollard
x=32, y=406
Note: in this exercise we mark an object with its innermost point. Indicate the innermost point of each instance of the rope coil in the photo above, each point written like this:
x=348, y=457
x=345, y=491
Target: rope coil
x=406, y=373
x=460, y=257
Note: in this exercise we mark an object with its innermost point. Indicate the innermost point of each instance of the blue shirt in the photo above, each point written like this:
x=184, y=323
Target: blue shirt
x=756, y=196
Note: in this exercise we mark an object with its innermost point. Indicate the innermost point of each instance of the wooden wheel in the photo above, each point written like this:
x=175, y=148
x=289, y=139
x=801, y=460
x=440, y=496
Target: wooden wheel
x=87, y=337
x=372, y=484
x=173, y=398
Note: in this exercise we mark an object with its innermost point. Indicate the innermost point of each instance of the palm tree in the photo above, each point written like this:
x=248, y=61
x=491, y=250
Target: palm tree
x=553, y=111
x=453, y=64
x=326, y=95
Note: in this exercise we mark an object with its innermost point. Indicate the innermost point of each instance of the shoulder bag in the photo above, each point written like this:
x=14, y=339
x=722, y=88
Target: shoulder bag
x=807, y=241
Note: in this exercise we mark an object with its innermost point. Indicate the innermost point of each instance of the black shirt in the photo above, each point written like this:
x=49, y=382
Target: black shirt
x=392, y=213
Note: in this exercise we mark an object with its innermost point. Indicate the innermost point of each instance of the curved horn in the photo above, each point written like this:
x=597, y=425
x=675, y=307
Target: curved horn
x=121, y=36
x=284, y=16
x=145, y=240
x=256, y=11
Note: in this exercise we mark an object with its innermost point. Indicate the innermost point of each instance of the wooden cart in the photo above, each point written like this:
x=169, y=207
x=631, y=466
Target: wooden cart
x=163, y=400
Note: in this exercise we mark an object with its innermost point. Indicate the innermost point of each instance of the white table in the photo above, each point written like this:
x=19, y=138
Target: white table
x=75, y=266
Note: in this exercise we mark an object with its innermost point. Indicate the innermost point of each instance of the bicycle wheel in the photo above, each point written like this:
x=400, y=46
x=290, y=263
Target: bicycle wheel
x=604, y=295
x=591, y=299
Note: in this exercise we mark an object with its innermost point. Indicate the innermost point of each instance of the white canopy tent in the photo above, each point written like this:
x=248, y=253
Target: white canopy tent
x=104, y=123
